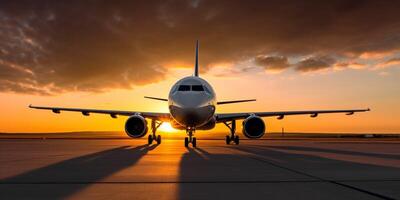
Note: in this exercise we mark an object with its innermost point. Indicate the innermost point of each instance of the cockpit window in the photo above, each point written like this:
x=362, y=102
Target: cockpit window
x=184, y=88
x=207, y=90
x=197, y=88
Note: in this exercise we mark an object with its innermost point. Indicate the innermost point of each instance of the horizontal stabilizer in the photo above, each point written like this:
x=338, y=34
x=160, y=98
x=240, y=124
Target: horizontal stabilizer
x=155, y=98
x=235, y=101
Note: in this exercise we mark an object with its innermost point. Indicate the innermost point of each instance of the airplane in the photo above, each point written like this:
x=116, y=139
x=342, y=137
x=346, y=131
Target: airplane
x=192, y=103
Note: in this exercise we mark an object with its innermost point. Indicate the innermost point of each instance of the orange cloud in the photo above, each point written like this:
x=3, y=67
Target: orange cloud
x=351, y=65
x=376, y=55
x=394, y=62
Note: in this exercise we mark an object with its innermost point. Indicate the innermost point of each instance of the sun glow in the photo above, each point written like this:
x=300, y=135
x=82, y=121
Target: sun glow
x=166, y=127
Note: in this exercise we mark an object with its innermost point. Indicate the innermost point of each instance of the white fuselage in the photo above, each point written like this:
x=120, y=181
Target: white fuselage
x=192, y=102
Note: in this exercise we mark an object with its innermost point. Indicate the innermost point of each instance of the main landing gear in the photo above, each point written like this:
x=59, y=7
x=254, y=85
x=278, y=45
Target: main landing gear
x=154, y=126
x=191, y=138
x=233, y=137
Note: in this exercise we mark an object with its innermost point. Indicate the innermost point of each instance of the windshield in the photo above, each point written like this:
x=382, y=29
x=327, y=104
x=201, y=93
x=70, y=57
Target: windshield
x=196, y=88
x=184, y=88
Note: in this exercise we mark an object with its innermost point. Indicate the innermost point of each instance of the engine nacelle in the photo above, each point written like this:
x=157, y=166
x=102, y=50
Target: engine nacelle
x=136, y=126
x=253, y=127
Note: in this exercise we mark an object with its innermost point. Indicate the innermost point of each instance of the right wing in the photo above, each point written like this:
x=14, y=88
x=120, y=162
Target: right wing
x=221, y=117
x=235, y=101
x=112, y=113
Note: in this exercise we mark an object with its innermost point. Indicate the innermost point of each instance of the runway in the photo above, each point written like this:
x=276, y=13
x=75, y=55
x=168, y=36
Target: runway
x=266, y=169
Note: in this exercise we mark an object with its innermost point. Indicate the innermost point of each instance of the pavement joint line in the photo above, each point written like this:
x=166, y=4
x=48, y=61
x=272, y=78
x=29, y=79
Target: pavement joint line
x=156, y=182
x=183, y=182
x=261, y=159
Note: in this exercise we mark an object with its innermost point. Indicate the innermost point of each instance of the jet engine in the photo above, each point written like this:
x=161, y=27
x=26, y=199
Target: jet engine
x=253, y=127
x=136, y=126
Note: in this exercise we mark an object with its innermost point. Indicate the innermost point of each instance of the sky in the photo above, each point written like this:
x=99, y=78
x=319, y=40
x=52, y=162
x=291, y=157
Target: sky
x=289, y=55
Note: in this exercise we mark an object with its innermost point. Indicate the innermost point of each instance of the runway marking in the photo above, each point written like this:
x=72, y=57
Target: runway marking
x=261, y=159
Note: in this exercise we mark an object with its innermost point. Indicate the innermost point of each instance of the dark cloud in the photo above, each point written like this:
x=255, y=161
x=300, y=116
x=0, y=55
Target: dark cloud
x=48, y=47
x=274, y=63
x=314, y=64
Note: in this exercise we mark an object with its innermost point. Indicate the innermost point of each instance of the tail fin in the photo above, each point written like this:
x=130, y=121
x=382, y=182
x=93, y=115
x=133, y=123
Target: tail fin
x=196, y=65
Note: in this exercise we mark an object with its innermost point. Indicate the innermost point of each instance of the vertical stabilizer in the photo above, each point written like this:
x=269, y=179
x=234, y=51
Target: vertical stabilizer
x=196, y=65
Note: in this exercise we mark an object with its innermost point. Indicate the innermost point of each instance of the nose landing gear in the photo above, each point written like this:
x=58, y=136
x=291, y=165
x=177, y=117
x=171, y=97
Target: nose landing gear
x=232, y=127
x=154, y=126
x=191, y=138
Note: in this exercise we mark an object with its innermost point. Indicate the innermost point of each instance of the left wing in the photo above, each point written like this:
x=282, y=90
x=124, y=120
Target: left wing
x=281, y=114
x=112, y=113
x=155, y=98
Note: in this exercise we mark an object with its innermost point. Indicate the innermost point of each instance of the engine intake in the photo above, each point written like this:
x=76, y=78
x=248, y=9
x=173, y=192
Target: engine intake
x=253, y=127
x=136, y=126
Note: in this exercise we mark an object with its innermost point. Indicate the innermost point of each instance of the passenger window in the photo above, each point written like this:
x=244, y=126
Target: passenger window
x=184, y=88
x=197, y=88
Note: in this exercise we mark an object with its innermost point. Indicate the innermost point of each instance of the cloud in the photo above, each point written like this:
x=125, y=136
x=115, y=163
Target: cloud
x=314, y=64
x=394, y=62
x=350, y=65
x=272, y=63
x=376, y=55
x=49, y=47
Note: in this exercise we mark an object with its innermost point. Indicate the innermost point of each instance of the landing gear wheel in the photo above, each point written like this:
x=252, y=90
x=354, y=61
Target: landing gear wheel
x=232, y=137
x=150, y=139
x=158, y=139
x=236, y=140
x=186, y=141
x=227, y=139
x=194, y=142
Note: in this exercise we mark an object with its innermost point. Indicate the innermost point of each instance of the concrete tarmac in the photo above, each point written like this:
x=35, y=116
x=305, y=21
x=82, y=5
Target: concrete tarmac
x=255, y=169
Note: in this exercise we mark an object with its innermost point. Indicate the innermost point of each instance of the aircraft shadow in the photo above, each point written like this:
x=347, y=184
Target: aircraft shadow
x=77, y=172
x=203, y=175
x=311, y=163
x=353, y=153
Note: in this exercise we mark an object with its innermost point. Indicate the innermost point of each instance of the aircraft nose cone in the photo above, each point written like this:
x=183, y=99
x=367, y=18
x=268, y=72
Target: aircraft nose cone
x=191, y=101
x=187, y=116
x=192, y=116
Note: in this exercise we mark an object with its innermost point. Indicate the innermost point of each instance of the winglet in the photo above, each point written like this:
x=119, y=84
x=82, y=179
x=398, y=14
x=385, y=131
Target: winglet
x=196, y=65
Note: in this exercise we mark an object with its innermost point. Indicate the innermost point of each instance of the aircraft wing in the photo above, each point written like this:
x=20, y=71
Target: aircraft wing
x=112, y=113
x=281, y=114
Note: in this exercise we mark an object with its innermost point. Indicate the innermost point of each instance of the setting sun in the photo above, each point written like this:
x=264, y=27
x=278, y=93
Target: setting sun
x=166, y=127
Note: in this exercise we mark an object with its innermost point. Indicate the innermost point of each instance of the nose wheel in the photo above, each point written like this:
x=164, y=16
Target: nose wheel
x=233, y=137
x=193, y=141
x=153, y=137
x=190, y=139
